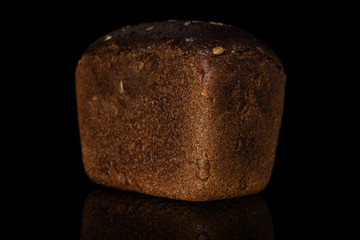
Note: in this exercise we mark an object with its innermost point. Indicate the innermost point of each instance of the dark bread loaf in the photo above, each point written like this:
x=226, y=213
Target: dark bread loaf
x=110, y=214
x=183, y=110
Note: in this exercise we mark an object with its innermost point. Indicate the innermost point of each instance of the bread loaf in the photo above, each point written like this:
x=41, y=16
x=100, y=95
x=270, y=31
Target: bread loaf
x=186, y=110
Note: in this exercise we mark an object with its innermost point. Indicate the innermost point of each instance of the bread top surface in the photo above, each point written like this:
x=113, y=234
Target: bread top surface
x=205, y=38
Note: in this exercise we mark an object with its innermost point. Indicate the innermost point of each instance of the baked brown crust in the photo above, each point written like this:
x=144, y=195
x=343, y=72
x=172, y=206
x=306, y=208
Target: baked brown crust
x=183, y=109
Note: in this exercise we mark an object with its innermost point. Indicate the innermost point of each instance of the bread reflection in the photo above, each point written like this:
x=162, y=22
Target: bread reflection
x=111, y=214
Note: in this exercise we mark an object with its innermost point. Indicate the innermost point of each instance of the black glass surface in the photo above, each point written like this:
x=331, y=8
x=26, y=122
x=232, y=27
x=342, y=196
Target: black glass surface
x=56, y=200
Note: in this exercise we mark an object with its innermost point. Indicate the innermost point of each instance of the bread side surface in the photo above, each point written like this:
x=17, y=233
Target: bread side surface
x=186, y=110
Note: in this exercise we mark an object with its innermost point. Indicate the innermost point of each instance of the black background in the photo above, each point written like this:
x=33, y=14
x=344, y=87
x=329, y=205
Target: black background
x=305, y=38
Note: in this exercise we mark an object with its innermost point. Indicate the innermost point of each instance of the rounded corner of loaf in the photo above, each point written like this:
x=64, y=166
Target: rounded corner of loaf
x=214, y=38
